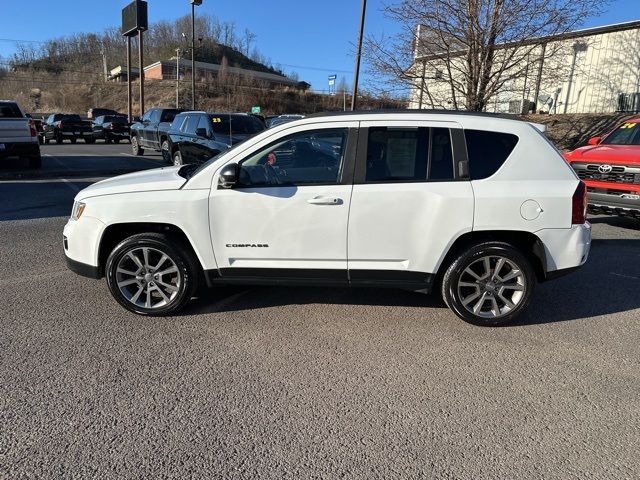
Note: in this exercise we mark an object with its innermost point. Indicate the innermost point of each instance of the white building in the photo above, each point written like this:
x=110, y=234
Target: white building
x=595, y=70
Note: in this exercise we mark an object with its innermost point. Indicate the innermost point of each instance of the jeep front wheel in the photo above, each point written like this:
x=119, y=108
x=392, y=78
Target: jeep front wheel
x=152, y=274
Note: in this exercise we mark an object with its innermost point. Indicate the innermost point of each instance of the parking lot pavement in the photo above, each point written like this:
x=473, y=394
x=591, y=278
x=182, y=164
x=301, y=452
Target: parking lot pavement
x=66, y=169
x=315, y=382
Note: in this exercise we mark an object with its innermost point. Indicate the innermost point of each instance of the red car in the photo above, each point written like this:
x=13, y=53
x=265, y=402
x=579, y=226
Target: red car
x=610, y=166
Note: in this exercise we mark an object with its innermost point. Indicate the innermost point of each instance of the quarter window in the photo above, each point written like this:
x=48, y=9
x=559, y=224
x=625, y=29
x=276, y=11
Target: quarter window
x=487, y=151
x=409, y=154
x=307, y=158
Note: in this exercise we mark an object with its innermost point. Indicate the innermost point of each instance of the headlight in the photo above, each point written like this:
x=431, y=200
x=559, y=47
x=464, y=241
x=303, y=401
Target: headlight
x=76, y=211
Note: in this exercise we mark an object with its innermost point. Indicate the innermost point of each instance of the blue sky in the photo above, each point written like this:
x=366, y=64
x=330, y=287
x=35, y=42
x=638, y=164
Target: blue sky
x=290, y=32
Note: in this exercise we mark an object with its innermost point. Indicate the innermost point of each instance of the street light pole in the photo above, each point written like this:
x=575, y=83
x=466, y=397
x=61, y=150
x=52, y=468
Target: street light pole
x=177, y=77
x=358, y=54
x=193, y=52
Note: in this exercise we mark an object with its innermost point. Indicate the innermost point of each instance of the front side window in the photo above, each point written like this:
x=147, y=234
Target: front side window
x=487, y=151
x=147, y=116
x=203, y=123
x=306, y=158
x=408, y=154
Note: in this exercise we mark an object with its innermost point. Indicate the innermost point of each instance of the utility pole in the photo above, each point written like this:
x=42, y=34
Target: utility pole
x=177, y=77
x=193, y=52
x=358, y=54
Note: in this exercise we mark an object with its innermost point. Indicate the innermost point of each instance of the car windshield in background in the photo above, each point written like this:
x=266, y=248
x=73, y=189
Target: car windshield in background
x=626, y=134
x=72, y=118
x=10, y=110
x=115, y=119
x=240, y=125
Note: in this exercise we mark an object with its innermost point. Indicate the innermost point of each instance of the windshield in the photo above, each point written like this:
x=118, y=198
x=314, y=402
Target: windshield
x=193, y=171
x=9, y=110
x=240, y=125
x=626, y=134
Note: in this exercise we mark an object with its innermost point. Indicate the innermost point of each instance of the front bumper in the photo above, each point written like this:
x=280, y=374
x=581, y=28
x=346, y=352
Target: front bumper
x=614, y=203
x=81, y=244
x=565, y=248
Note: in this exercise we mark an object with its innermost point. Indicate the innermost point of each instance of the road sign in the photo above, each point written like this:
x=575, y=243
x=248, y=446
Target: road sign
x=332, y=79
x=255, y=109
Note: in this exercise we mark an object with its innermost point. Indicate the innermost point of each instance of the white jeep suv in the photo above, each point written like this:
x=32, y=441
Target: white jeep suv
x=478, y=206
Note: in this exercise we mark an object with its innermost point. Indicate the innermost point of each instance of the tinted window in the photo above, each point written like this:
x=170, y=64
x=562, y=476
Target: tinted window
x=72, y=118
x=487, y=151
x=402, y=154
x=99, y=120
x=240, y=124
x=313, y=157
x=441, y=158
x=147, y=115
x=626, y=134
x=9, y=110
x=169, y=114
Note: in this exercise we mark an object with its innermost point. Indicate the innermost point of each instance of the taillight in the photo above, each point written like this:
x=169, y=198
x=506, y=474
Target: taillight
x=32, y=128
x=579, y=205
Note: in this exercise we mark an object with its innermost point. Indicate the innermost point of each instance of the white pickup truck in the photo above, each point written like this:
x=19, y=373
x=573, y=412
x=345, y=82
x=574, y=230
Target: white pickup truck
x=18, y=135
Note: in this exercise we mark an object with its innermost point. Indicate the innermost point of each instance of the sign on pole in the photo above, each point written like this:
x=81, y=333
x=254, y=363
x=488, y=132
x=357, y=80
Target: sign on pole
x=332, y=84
x=255, y=109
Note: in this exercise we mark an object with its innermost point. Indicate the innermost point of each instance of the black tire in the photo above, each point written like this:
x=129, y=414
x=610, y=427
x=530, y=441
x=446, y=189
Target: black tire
x=89, y=140
x=35, y=161
x=74, y=139
x=59, y=138
x=165, y=149
x=40, y=140
x=46, y=140
x=137, y=150
x=107, y=139
x=488, y=288
x=177, y=158
x=187, y=265
x=116, y=140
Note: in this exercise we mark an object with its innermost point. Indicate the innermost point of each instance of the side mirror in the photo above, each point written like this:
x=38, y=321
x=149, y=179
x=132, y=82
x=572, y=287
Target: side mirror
x=228, y=176
x=202, y=132
x=594, y=140
x=136, y=119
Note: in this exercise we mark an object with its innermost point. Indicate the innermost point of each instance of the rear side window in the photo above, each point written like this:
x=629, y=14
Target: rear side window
x=487, y=151
x=409, y=154
x=191, y=124
x=9, y=110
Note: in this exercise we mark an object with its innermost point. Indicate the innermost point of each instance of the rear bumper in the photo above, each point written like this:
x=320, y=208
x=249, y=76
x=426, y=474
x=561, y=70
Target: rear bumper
x=566, y=248
x=613, y=203
x=21, y=149
x=74, y=134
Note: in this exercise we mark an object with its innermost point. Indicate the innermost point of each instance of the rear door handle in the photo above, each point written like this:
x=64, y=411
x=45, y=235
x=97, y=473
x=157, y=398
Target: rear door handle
x=321, y=200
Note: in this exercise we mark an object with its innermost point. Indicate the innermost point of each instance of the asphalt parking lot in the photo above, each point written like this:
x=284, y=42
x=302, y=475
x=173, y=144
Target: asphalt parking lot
x=304, y=382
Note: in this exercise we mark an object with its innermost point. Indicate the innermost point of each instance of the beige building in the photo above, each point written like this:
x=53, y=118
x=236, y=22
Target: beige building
x=595, y=70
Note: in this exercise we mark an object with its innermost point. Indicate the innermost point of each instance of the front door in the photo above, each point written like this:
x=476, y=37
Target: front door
x=288, y=215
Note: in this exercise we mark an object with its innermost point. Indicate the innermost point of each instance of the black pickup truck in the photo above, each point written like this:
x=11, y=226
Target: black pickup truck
x=151, y=132
x=60, y=126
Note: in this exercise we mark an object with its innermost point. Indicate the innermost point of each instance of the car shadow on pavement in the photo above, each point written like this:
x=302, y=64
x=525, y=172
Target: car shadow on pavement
x=608, y=284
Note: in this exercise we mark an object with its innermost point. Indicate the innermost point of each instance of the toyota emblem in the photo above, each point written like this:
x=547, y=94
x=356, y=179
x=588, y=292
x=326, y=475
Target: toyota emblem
x=605, y=168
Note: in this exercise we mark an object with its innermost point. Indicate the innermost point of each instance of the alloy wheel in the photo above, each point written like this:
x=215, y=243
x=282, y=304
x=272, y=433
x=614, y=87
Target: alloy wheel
x=491, y=286
x=148, y=277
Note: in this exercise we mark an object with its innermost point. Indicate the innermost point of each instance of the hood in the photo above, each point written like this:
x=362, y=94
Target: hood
x=622, y=154
x=145, y=181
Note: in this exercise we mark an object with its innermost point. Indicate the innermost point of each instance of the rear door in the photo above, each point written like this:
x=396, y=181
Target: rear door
x=411, y=199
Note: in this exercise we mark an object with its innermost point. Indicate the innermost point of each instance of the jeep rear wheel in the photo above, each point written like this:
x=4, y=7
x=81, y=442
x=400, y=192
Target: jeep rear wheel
x=490, y=284
x=152, y=274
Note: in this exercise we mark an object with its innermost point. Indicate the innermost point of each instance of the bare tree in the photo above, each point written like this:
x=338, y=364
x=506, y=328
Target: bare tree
x=472, y=48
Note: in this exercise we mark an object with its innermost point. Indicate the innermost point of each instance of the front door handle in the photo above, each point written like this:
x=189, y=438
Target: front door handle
x=321, y=200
